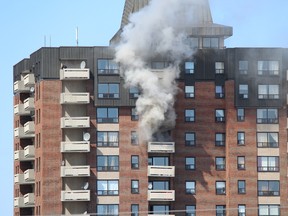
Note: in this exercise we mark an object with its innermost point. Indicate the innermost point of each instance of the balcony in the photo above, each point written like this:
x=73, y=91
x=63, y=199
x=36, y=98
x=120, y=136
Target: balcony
x=74, y=74
x=19, y=133
x=75, y=122
x=29, y=80
x=29, y=127
x=19, y=110
x=29, y=199
x=161, y=195
x=161, y=171
x=161, y=147
x=28, y=177
x=78, y=146
x=75, y=171
x=27, y=154
x=29, y=104
x=19, y=87
x=19, y=203
x=75, y=195
x=74, y=98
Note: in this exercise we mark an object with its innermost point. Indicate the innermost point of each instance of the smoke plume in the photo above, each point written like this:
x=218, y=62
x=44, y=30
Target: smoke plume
x=159, y=31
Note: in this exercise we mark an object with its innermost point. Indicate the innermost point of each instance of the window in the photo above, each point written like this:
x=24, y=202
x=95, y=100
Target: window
x=135, y=162
x=191, y=210
x=240, y=114
x=220, y=115
x=107, y=187
x=190, y=163
x=158, y=161
x=220, y=187
x=220, y=139
x=268, y=91
x=189, y=67
x=134, y=138
x=192, y=42
x=268, y=188
x=107, y=115
x=107, y=139
x=243, y=91
x=134, y=114
x=190, y=139
x=134, y=210
x=190, y=187
x=241, y=210
x=159, y=209
x=220, y=163
x=108, y=90
x=241, y=163
x=159, y=64
x=134, y=92
x=189, y=92
x=219, y=67
x=268, y=164
x=211, y=43
x=220, y=210
x=134, y=186
x=267, y=116
x=219, y=92
x=268, y=68
x=107, y=66
x=108, y=210
x=190, y=115
x=107, y=163
x=241, y=186
x=243, y=67
x=241, y=138
x=267, y=140
x=269, y=210
x=158, y=185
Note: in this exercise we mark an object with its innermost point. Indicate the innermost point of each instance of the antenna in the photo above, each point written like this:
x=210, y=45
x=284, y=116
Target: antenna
x=86, y=136
x=44, y=40
x=77, y=36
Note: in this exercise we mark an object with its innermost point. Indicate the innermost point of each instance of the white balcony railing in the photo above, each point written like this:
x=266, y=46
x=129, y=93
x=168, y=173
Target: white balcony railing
x=75, y=195
x=29, y=104
x=25, y=155
x=29, y=127
x=19, y=87
x=75, y=122
x=161, y=171
x=29, y=199
x=28, y=177
x=77, y=146
x=161, y=195
x=75, y=98
x=161, y=147
x=74, y=74
x=29, y=80
x=19, y=203
x=19, y=133
x=75, y=171
x=19, y=110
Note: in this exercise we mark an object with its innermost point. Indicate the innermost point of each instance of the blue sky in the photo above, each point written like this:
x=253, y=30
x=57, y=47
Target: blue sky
x=24, y=24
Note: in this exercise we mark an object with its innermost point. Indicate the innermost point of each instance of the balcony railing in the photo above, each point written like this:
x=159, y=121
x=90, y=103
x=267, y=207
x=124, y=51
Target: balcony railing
x=161, y=195
x=29, y=127
x=77, y=146
x=27, y=154
x=29, y=199
x=20, y=110
x=29, y=80
x=75, y=195
x=75, y=122
x=27, y=177
x=19, y=133
x=75, y=171
x=161, y=147
x=19, y=203
x=29, y=104
x=75, y=98
x=19, y=87
x=74, y=74
x=161, y=171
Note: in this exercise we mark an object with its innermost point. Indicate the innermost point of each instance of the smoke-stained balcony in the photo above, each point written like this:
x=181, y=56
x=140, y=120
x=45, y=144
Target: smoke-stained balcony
x=29, y=127
x=161, y=171
x=19, y=110
x=74, y=74
x=27, y=154
x=74, y=98
x=75, y=147
x=75, y=195
x=75, y=171
x=19, y=133
x=19, y=87
x=28, y=177
x=161, y=195
x=161, y=147
x=75, y=122
x=29, y=80
x=29, y=104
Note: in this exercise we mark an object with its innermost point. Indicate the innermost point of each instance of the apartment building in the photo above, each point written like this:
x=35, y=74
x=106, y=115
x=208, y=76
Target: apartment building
x=76, y=138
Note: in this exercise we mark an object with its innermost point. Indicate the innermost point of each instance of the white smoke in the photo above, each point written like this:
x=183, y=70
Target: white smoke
x=159, y=30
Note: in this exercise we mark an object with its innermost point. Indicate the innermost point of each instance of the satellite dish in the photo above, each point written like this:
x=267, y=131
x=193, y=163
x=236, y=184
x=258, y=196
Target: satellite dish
x=82, y=64
x=86, y=136
x=150, y=186
x=85, y=213
x=86, y=186
x=63, y=163
x=32, y=89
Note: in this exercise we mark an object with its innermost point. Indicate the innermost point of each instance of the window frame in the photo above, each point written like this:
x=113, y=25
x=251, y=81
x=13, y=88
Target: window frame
x=135, y=190
x=266, y=119
x=108, y=208
x=221, y=166
x=134, y=115
x=108, y=192
x=240, y=165
x=108, y=167
x=244, y=92
x=108, y=118
x=268, y=168
x=137, y=164
x=243, y=67
x=189, y=69
x=109, y=94
x=191, y=166
x=221, y=142
x=220, y=210
x=189, y=118
x=111, y=70
x=221, y=118
x=219, y=67
x=190, y=142
x=240, y=118
x=220, y=94
x=220, y=190
x=240, y=139
x=241, y=190
x=268, y=192
x=191, y=190
x=267, y=144
x=268, y=95
x=189, y=94
x=108, y=143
